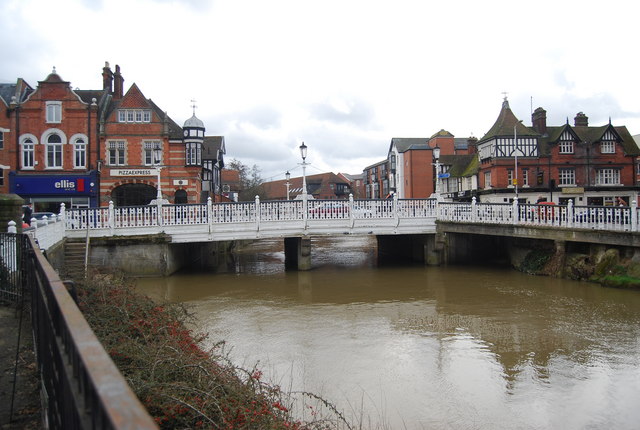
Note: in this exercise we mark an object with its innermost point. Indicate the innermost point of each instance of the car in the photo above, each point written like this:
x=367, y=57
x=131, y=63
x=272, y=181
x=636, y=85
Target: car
x=331, y=208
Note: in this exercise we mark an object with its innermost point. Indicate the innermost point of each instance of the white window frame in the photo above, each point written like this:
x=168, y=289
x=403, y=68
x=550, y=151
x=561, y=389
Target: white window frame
x=487, y=179
x=566, y=176
x=525, y=177
x=608, y=147
x=116, y=152
x=54, y=112
x=28, y=144
x=2, y=138
x=79, y=152
x=53, y=152
x=193, y=154
x=148, y=147
x=608, y=177
x=510, y=177
x=136, y=116
x=565, y=147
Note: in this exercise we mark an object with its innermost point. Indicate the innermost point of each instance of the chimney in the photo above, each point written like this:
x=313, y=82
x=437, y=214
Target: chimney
x=539, y=120
x=581, y=120
x=107, y=78
x=472, y=144
x=118, y=84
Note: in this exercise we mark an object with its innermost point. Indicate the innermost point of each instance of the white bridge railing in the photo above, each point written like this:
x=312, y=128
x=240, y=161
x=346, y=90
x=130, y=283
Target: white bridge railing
x=245, y=220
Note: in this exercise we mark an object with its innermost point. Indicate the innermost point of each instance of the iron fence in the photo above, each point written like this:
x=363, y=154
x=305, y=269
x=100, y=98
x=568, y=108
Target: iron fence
x=81, y=388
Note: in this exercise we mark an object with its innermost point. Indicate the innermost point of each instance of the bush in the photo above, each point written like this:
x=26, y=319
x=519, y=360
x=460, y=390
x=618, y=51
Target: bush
x=180, y=384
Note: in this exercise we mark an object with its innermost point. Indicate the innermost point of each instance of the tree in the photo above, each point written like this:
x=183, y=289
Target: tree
x=250, y=180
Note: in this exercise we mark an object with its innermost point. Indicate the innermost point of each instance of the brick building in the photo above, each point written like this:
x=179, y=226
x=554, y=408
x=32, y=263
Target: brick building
x=86, y=148
x=585, y=164
x=51, y=131
x=324, y=186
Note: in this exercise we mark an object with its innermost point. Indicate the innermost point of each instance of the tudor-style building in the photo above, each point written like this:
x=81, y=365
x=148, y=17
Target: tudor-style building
x=579, y=163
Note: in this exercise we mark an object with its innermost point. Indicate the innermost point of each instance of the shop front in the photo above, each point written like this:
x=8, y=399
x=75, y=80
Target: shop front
x=48, y=192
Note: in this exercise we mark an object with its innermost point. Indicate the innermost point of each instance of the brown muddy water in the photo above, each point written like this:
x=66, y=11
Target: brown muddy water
x=415, y=347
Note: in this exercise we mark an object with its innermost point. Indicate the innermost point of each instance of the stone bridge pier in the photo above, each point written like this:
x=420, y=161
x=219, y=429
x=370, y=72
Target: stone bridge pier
x=297, y=253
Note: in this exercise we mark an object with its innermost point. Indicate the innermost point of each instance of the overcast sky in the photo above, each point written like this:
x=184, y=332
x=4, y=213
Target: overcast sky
x=343, y=76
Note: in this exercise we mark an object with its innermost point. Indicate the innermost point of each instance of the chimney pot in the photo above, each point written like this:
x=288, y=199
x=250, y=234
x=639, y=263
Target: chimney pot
x=581, y=120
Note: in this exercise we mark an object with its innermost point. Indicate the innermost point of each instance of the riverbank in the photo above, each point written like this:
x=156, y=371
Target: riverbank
x=181, y=384
x=608, y=266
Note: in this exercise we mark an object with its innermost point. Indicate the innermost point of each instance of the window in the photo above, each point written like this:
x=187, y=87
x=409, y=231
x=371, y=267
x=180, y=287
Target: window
x=116, y=152
x=1, y=139
x=79, y=153
x=487, y=179
x=510, y=177
x=134, y=115
x=1, y=176
x=608, y=177
x=566, y=147
x=54, y=112
x=28, y=153
x=193, y=153
x=608, y=147
x=567, y=176
x=525, y=177
x=148, y=156
x=54, y=151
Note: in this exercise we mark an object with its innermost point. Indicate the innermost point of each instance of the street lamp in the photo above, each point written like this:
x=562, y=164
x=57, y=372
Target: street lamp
x=436, y=156
x=157, y=159
x=515, y=158
x=303, y=153
x=288, y=176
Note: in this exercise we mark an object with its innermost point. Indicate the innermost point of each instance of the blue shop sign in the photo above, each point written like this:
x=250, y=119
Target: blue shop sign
x=53, y=185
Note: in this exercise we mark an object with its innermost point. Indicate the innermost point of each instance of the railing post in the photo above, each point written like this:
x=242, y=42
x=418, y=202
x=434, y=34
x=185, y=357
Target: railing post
x=12, y=227
x=514, y=211
x=112, y=218
x=63, y=216
x=305, y=208
x=159, y=203
x=209, y=213
x=257, y=211
x=474, y=208
x=634, y=215
x=570, y=211
x=396, y=215
x=351, y=208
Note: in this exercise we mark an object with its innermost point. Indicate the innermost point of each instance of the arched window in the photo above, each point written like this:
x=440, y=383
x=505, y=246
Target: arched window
x=54, y=151
x=79, y=153
x=28, y=153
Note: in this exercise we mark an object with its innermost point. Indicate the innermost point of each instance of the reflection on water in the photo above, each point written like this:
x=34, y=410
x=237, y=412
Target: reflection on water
x=423, y=347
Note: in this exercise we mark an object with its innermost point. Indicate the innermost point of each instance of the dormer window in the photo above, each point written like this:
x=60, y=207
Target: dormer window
x=134, y=115
x=607, y=147
x=566, y=147
x=193, y=153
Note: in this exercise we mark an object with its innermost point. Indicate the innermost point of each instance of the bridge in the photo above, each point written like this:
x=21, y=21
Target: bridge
x=255, y=220
x=301, y=220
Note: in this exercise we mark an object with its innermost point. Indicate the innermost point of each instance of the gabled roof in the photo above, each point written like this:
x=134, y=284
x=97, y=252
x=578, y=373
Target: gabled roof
x=404, y=144
x=379, y=163
x=504, y=125
x=590, y=135
x=461, y=165
x=21, y=90
x=213, y=148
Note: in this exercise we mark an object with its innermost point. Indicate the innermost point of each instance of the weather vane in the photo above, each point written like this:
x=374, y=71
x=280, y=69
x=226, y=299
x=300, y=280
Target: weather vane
x=193, y=106
x=504, y=93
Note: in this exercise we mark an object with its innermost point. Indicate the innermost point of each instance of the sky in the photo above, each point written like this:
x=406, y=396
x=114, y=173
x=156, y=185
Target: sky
x=344, y=76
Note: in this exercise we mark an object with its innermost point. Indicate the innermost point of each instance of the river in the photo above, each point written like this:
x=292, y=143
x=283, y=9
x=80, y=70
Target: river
x=415, y=347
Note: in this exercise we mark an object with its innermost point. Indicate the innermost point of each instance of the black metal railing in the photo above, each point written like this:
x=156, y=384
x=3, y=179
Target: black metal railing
x=81, y=388
x=13, y=267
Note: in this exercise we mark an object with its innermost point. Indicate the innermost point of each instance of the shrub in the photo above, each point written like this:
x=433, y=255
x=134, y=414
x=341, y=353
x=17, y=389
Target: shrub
x=180, y=384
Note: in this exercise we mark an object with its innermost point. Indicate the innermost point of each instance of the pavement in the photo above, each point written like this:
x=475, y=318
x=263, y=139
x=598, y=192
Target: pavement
x=19, y=405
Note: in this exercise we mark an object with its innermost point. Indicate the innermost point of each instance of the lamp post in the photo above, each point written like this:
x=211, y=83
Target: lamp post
x=157, y=159
x=515, y=158
x=303, y=153
x=436, y=156
x=288, y=176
